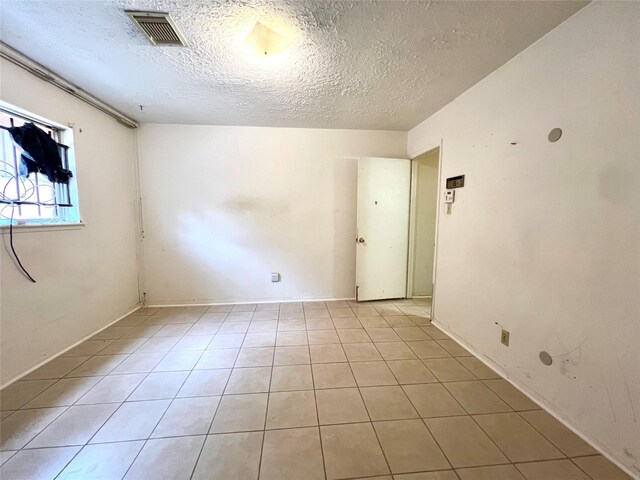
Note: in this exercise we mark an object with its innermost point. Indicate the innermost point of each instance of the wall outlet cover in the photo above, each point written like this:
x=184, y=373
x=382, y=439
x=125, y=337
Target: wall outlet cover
x=504, y=337
x=275, y=277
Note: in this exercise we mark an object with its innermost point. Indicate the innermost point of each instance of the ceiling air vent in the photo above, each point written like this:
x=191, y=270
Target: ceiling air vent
x=158, y=28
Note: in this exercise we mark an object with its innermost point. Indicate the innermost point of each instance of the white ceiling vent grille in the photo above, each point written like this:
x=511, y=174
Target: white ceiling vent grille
x=158, y=28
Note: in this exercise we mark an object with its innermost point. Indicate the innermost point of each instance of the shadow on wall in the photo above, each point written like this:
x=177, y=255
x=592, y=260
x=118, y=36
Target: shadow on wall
x=228, y=248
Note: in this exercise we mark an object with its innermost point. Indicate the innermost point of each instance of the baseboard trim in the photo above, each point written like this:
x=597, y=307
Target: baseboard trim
x=533, y=396
x=244, y=302
x=48, y=359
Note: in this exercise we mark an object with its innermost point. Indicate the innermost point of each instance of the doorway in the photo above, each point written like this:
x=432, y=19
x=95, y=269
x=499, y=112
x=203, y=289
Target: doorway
x=425, y=176
x=397, y=206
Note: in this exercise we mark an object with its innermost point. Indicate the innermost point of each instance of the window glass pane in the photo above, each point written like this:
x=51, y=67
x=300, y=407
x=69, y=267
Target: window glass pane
x=36, y=190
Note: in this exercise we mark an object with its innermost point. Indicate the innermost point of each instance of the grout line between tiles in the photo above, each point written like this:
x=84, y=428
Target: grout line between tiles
x=103, y=424
x=315, y=399
x=159, y=420
x=266, y=414
x=193, y=471
x=371, y=421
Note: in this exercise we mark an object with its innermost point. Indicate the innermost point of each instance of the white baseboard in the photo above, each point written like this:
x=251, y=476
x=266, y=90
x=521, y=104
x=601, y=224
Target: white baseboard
x=535, y=397
x=244, y=302
x=48, y=359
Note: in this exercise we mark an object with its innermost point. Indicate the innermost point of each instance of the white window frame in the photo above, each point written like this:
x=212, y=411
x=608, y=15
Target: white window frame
x=67, y=216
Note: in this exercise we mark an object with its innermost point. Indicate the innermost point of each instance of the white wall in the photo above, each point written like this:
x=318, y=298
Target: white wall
x=426, y=199
x=545, y=237
x=86, y=277
x=226, y=206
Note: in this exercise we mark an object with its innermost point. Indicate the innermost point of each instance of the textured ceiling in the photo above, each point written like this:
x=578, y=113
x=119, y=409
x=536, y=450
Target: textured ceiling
x=370, y=65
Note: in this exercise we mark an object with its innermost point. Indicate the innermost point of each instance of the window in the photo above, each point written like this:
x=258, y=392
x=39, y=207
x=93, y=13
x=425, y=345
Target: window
x=34, y=199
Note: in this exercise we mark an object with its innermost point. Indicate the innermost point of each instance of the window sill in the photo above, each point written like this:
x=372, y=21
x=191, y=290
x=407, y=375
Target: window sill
x=41, y=227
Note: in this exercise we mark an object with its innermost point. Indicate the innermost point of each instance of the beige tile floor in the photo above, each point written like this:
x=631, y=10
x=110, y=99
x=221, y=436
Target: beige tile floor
x=333, y=390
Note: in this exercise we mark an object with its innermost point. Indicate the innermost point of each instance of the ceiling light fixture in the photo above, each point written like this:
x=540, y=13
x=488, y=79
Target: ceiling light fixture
x=266, y=42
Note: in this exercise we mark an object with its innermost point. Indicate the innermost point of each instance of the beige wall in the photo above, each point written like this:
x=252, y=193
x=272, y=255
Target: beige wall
x=226, y=206
x=86, y=277
x=544, y=238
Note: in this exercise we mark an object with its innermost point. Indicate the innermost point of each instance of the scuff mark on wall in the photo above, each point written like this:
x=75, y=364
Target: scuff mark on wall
x=247, y=204
x=569, y=361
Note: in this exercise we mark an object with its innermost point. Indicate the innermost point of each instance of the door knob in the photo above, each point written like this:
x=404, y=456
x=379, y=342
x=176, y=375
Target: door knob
x=361, y=240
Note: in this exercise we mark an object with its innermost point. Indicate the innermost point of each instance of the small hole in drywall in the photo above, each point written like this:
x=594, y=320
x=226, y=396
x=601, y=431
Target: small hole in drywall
x=545, y=358
x=555, y=134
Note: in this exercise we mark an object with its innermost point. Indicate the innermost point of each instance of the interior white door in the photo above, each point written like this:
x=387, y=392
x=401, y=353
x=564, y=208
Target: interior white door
x=382, y=240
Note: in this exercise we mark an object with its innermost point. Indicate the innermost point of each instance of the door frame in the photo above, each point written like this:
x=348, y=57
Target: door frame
x=412, y=222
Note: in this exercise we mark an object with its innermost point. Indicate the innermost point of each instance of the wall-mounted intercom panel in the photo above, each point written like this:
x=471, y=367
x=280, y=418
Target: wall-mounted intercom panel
x=450, y=193
x=449, y=196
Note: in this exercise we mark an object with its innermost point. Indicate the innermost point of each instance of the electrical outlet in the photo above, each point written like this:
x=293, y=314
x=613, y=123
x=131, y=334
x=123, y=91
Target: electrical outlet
x=504, y=337
x=275, y=277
